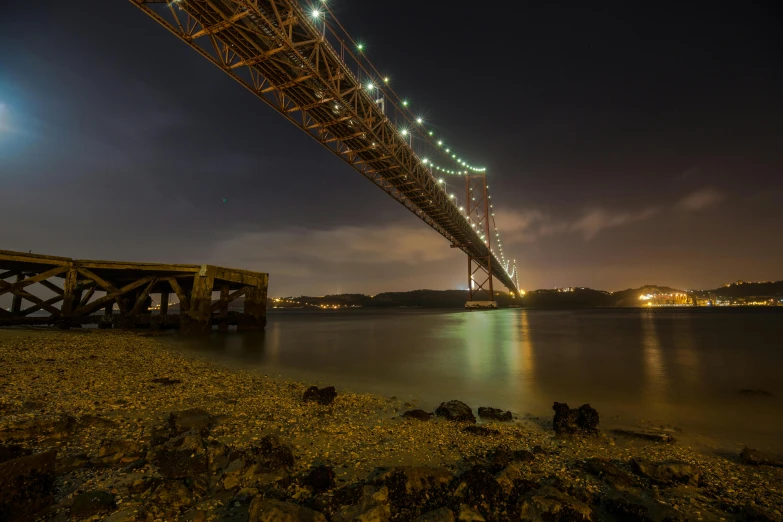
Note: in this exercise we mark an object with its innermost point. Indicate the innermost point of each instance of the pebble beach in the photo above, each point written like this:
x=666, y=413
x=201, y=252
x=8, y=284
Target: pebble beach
x=127, y=428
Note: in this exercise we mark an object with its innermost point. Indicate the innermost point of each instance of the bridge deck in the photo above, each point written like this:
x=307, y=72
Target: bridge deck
x=89, y=291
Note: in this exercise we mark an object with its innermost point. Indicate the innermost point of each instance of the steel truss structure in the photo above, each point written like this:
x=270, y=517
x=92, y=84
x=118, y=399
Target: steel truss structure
x=277, y=52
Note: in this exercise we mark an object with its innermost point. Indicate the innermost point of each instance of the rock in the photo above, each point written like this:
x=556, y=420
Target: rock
x=417, y=414
x=754, y=513
x=323, y=396
x=415, y=481
x=548, y=503
x=372, y=507
x=478, y=485
x=27, y=485
x=172, y=493
x=192, y=419
x=653, y=436
x=627, y=506
x=269, y=510
x=501, y=457
x=755, y=392
x=182, y=456
x=759, y=458
x=271, y=454
x=667, y=472
x=90, y=421
x=218, y=456
x=92, y=503
x=481, y=431
x=113, y=451
x=12, y=451
x=166, y=381
x=439, y=515
x=582, y=420
x=456, y=411
x=71, y=463
x=610, y=473
x=466, y=513
x=320, y=478
x=57, y=428
x=512, y=476
x=494, y=413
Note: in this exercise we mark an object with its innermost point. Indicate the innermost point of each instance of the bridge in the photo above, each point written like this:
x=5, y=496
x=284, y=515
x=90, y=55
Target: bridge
x=302, y=62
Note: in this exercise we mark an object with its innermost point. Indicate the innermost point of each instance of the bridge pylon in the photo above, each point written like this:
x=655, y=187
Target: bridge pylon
x=480, y=286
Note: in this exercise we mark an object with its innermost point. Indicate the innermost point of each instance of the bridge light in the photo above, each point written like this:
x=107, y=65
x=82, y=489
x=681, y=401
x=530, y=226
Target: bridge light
x=440, y=142
x=316, y=13
x=452, y=196
x=440, y=180
x=430, y=133
x=419, y=121
x=386, y=80
x=404, y=132
x=404, y=103
x=447, y=150
x=360, y=46
x=370, y=86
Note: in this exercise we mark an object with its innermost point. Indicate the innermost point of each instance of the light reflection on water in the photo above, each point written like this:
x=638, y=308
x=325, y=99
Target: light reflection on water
x=672, y=367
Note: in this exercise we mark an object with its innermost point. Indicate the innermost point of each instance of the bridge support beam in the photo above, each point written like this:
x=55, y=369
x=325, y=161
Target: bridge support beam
x=480, y=287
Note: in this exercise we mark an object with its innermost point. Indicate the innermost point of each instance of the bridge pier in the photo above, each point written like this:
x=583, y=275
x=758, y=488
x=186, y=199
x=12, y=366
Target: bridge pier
x=88, y=291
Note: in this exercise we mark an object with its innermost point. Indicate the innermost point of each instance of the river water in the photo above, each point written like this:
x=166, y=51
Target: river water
x=681, y=369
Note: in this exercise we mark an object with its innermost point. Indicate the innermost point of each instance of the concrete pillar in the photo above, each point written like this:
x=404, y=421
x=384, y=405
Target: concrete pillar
x=254, y=314
x=199, y=315
x=16, y=302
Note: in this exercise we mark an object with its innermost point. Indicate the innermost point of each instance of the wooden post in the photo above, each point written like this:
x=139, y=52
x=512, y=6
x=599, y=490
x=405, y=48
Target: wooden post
x=199, y=314
x=164, y=303
x=16, y=303
x=223, y=325
x=254, y=315
x=69, y=292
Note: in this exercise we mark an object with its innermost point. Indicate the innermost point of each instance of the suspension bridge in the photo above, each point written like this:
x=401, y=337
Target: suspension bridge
x=300, y=60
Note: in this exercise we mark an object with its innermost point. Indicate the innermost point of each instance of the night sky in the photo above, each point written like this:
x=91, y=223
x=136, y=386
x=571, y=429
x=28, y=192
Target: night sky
x=625, y=145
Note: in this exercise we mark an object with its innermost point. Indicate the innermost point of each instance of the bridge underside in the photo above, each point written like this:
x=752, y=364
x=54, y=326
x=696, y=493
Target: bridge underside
x=274, y=50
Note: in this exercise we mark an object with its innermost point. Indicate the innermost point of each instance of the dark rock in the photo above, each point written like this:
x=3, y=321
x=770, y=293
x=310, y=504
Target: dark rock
x=417, y=414
x=610, y=473
x=57, y=428
x=755, y=513
x=511, y=479
x=410, y=483
x=633, y=508
x=456, y=411
x=759, y=458
x=481, y=431
x=71, y=463
x=143, y=484
x=667, y=472
x=173, y=494
x=182, y=456
x=755, y=392
x=468, y=514
x=321, y=478
x=582, y=420
x=92, y=503
x=12, y=451
x=192, y=419
x=166, y=381
x=27, y=485
x=90, y=421
x=550, y=504
x=653, y=436
x=439, y=515
x=501, y=457
x=494, y=413
x=323, y=396
x=218, y=456
x=272, y=455
x=478, y=485
x=372, y=507
x=270, y=510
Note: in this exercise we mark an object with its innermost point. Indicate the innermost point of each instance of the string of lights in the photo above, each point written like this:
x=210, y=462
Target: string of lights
x=381, y=84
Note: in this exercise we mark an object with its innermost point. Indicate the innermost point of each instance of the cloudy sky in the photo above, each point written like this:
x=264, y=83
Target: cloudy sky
x=625, y=146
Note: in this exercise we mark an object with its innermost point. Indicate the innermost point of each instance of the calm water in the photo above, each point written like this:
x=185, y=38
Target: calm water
x=667, y=367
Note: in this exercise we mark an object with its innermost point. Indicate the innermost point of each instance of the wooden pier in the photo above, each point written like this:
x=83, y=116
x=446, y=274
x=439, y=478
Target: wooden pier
x=74, y=292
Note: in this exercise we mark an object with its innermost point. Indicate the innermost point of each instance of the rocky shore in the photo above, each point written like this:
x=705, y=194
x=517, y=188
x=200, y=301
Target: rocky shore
x=110, y=425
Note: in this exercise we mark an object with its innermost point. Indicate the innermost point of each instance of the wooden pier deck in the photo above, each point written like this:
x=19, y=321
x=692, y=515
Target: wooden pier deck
x=68, y=292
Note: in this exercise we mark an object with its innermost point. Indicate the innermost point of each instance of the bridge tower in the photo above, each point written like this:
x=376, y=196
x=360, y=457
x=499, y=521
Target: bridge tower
x=480, y=288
